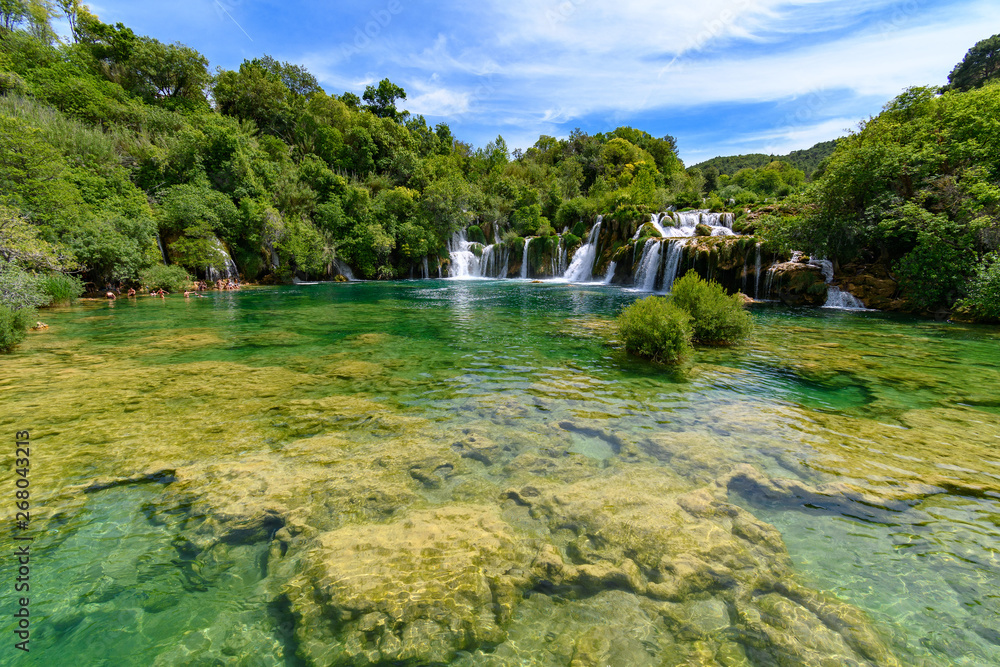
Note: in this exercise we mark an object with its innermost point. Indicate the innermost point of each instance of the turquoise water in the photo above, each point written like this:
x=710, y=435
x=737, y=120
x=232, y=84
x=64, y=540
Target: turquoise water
x=232, y=394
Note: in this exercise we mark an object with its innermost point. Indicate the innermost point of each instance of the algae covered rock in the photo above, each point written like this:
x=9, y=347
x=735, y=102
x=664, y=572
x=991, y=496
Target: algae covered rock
x=415, y=591
x=799, y=284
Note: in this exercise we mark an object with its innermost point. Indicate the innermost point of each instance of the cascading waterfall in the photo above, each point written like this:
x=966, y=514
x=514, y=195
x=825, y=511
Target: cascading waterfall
x=672, y=263
x=427, y=273
x=494, y=256
x=231, y=271
x=721, y=224
x=610, y=273
x=464, y=263
x=344, y=270
x=524, y=259
x=557, y=265
x=838, y=298
x=163, y=252
x=582, y=268
x=649, y=266
x=756, y=280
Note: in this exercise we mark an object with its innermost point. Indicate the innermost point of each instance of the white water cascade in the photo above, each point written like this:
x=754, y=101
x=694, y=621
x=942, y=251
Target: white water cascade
x=464, y=263
x=721, y=224
x=344, y=270
x=649, y=266
x=557, y=266
x=656, y=253
x=756, y=275
x=838, y=298
x=229, y=266
x=524, y=259
x=495, y=261
x=163, y=252
x=672, y=263
x=581, y=270
x=610, y=273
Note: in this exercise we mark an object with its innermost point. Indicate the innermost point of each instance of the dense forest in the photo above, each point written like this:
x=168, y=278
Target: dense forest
x=806, y=160
x=125, y=160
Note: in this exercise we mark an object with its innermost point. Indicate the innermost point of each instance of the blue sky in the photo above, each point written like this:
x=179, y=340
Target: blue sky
x=722, y=76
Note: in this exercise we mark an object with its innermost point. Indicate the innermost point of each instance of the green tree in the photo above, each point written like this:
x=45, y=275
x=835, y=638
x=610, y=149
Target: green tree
x=980, y=64
x=381, y=100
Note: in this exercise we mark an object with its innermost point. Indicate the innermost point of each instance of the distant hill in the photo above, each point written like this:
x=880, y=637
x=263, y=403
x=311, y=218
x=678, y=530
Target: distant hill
x=807, y=160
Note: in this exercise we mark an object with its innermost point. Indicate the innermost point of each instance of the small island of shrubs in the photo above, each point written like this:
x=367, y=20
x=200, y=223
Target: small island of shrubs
x=663, y=328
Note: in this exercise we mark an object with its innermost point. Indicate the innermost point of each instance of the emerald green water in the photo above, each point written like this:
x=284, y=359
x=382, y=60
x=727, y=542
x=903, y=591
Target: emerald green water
x=344, y=408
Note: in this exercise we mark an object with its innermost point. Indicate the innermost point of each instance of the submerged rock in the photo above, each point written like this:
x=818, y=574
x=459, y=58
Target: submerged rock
x=414, y=591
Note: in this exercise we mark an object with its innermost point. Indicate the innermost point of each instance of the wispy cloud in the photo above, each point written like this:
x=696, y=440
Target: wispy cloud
x=527, y=67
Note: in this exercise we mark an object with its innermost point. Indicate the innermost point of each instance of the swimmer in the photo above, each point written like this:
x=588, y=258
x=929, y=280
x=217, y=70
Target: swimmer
x=111, y=295
x=131, y=291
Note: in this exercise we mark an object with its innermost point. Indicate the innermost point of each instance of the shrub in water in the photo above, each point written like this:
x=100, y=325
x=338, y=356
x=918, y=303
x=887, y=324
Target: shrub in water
x=14, y=325
x=171, y=278
x=62, y=288
x=656, y=329
x=716, y=316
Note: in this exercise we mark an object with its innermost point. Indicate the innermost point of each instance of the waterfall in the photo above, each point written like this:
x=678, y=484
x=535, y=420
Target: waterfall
x=824, y=265
x=464, y=263
x=720, y=223
x=427, y=273
x=840, y=299
x=344, y=270
x=230, y=266
x=835, y=297
x=756, y=280
x=557, y=266
x=163, y=252
x=655, y=221
x=582, y=268
x=524, y=259
x=649, y=266
x=672, y=264
x=610, y=273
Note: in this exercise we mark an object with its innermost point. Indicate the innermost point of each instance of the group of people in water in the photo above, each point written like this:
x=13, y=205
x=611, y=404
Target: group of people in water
x=199, y=286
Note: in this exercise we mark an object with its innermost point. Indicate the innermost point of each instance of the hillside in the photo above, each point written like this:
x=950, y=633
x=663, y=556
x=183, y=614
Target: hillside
x=806, y=159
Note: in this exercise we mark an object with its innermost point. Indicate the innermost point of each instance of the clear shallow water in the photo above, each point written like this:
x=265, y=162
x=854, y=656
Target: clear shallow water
x=351, y=405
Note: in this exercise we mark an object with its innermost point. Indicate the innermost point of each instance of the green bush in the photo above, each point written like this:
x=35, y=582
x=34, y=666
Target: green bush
x=983, y=302
x=62, y=288
x=656, y=329
x=512, y=240
x=20, y=289
x=717, y=317
x=14, y=325
x=171, y=278
x=475, y=235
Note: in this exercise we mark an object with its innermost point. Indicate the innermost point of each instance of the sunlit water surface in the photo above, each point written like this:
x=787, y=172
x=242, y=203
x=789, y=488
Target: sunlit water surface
x=110, y=392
